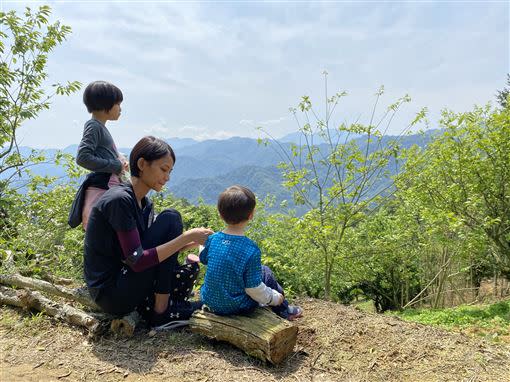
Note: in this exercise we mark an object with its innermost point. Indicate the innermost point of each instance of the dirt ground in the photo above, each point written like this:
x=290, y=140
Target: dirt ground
x=335, y=343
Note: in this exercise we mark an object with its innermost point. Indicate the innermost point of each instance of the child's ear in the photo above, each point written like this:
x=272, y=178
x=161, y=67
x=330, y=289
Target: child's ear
x=250, y=216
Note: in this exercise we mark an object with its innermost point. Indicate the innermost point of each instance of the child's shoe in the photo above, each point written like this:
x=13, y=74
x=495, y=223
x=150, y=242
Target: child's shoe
x=291, y=313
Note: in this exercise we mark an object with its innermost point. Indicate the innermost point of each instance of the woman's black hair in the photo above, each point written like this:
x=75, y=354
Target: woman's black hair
x=149, y=148
x=101, y=95
x=235, y=204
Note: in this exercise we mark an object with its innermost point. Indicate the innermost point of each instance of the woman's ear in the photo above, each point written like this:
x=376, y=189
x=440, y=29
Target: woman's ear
x=141, y=163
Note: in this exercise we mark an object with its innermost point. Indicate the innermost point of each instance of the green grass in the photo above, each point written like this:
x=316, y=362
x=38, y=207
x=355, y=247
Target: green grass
x=490, y=321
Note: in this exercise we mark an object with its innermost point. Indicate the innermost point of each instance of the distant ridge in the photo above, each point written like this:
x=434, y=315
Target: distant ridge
x=204, y=168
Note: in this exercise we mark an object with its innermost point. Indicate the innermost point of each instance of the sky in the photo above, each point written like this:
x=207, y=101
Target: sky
x=213, y=70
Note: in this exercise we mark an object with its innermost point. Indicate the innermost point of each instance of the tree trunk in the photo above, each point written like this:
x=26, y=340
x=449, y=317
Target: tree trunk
x=126, y=325
x=261, y=334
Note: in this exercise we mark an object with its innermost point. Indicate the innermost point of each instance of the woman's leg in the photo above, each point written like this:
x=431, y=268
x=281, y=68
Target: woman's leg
x=166, y=226
x=92, y=195
x=129, y=290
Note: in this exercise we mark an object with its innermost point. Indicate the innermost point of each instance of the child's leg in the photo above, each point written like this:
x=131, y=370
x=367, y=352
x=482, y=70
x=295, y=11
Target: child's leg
x=270, y=281
x=289, y=312
x=113, y=181
x=92, y=195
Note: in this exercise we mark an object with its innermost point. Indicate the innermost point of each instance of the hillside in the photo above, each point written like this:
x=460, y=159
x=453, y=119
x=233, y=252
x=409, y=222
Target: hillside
x=263, y=181
x=203, y=169
x=335, y=343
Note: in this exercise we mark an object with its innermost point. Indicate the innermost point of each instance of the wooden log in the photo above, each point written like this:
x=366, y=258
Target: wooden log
x=34, y=300
x=261, y=334
x=126, y=325
x=80, y=295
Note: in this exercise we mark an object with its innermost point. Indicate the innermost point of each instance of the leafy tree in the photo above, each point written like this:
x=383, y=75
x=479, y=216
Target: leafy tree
x=465, y=176
x=36, y=232
x=339, y=181
x=25, y=44
x=502, y=95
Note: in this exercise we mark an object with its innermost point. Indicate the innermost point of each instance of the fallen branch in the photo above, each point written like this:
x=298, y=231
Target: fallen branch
x=34, y=300
x=414, y=300
x=80, y=295
x=124, y=326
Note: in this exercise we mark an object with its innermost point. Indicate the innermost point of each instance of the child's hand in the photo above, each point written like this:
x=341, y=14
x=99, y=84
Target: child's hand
x=277, y=298
x=125, y=163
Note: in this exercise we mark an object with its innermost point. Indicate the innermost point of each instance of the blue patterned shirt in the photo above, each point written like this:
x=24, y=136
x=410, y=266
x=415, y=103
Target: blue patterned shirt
x=233, y=264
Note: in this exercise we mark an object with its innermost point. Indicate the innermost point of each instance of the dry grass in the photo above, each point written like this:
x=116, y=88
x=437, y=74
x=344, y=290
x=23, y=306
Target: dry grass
x=335, y=343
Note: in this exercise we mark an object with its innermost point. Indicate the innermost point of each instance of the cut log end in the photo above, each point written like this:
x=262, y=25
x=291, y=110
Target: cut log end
x=126, y=325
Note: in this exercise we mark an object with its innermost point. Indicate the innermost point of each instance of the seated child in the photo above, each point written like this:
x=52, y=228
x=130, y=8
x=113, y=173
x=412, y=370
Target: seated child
x=235, y=280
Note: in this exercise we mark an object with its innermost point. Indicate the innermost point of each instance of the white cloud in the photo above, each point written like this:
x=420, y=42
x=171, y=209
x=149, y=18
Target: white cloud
x=270, y=122
x=204, y=70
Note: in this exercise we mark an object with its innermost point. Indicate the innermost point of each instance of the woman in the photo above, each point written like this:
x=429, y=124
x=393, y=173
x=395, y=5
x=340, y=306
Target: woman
x=129, y=257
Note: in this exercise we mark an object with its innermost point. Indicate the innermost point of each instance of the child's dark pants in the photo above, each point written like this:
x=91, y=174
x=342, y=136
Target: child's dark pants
x=270, y=281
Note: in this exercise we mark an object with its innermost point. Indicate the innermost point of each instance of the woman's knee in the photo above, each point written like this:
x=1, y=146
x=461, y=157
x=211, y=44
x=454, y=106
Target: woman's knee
x=166, y=226
x=171, y=221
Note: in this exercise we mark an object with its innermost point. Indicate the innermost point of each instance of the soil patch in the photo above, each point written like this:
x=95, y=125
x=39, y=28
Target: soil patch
x=335, y=343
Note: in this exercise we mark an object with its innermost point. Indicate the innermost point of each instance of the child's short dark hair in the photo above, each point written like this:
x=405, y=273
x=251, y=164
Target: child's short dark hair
x=101, y=95
x=149, y=148
x=235, y=204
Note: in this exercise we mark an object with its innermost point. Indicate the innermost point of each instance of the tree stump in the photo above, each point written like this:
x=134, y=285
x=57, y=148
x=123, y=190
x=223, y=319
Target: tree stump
x=261, y=334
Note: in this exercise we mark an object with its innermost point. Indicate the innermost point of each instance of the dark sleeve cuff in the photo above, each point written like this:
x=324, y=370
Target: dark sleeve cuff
x=133, y=255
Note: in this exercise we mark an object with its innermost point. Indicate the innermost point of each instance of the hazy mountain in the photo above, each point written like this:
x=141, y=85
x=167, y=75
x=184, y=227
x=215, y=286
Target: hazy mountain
x=336, y=136
x=204, y=169
x=263, y=181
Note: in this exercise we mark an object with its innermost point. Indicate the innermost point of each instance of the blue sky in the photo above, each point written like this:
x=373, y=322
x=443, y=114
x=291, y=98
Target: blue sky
x=207, y=70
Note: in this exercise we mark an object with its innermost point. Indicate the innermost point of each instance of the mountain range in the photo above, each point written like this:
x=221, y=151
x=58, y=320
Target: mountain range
x=203, y=169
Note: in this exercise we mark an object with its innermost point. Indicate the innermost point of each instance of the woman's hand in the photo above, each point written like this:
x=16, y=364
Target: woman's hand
x=198, y=235
x=191, y=245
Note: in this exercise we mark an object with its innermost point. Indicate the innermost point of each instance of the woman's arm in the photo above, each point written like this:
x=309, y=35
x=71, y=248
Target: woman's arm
x=140, y=259
x=195, y=235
